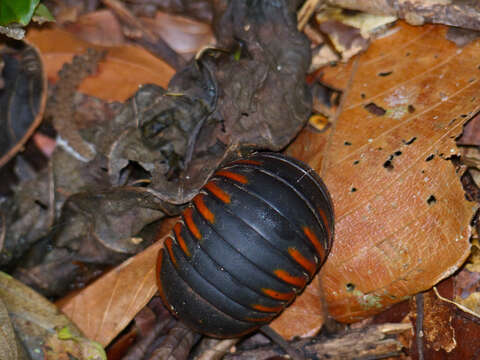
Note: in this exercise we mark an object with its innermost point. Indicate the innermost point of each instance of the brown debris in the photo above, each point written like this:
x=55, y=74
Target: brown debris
x=465, y=14
x=373, y=342
x=144, y=36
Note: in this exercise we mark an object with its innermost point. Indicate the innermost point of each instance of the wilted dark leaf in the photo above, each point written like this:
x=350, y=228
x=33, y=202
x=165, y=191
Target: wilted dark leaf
x=22, y=97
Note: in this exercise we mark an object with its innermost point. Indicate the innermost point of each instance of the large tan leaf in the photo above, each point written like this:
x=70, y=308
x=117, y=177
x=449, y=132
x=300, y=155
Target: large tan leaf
x=402, y=221
x=124, y=68
x=105, y=307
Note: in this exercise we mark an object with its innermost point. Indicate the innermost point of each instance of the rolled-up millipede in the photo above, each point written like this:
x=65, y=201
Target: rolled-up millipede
x=247, y=245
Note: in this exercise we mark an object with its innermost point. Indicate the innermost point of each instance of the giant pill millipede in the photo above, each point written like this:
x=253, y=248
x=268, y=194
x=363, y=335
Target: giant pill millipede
x=249, y=242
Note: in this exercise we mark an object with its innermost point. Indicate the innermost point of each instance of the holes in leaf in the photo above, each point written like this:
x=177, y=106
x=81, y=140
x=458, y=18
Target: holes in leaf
x=409, y=142
x=350, y=287
x=375, y=109
x=356, y=162
x=411, y=109
x=430, y=157
x=431, y=200
x=353, y=189
x=385, y=73
x=347, y=143
x=388, y=165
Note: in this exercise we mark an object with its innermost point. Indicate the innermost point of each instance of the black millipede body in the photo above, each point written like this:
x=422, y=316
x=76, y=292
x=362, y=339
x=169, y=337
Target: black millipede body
x=247, y=245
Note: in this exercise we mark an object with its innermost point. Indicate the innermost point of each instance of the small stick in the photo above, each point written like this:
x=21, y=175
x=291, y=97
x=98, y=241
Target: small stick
x=419, y=325
x=274, y=336
x=305, y=13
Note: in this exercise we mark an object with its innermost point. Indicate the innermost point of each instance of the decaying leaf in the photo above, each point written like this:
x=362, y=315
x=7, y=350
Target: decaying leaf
x=418, y=12
x=23, y=93
x=44, y=331
x=120, y=74
x=99, y=27
x=437, y=322
x=10, y=346
x=106, y=306
x=402, y=221
x=185, y=36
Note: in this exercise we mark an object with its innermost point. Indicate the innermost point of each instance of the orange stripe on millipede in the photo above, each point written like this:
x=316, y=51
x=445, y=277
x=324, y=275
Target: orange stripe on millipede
x=159, y=283
x=278, y=295
x=233, y=176
x=217, y=192
x=203, y=209
x=265, y=319
x=181, y=241
x=326, y=222
x=297, y=281
x=249, y=162
x=315, y=242
x=168, y=244
x=296, y=255
x=187, y=215
x=269, y=309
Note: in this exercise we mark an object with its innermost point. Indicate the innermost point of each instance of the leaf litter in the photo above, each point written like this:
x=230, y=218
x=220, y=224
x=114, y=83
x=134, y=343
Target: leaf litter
x=381, y=150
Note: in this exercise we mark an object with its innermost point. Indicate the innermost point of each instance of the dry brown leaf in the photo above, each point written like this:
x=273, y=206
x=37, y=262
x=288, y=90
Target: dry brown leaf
x=402, y=221
x=307, y=314
x=438, y=319
x=119, y=75
x=185, y=36
x=98, y=27
x=105, y=307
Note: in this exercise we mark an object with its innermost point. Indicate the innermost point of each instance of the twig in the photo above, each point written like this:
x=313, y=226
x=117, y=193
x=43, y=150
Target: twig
x=306, y=12
x=277, y=338
x=460, y=306
x=419, y=325
x=373, y=342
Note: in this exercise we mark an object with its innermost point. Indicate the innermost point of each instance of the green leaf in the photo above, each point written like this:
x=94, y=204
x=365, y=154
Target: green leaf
x=42, y=14
x=19, y=11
